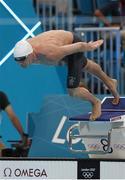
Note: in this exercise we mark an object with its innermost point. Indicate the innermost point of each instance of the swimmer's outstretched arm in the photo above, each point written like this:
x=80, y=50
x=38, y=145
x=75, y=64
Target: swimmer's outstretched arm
x=80, y=47
x=58, y=52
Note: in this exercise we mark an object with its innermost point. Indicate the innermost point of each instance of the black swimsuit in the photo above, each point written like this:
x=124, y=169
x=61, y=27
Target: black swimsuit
x=75, y=62
x=4, y=102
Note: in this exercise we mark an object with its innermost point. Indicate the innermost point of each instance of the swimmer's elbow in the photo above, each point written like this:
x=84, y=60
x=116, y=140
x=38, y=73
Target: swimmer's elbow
x=55, y=56
x=51, y=56
x=72, y=48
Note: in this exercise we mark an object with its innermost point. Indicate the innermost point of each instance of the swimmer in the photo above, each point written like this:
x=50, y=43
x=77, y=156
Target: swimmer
x=58, y=46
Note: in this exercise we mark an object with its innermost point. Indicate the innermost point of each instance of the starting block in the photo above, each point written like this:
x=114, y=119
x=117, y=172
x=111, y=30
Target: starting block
x=105, y=135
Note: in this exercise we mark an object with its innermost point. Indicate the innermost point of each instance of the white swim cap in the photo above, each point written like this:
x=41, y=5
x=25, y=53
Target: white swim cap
x=22, y=49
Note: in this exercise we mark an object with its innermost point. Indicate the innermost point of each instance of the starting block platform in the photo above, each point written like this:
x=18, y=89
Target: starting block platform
x=108, y=106
x=106, y=131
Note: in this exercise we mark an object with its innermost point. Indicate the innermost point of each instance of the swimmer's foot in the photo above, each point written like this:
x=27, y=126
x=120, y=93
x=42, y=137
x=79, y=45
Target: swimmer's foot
x=114, y=91
x=96, y=112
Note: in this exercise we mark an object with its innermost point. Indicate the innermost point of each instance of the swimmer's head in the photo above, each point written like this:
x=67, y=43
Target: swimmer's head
x=22, y=50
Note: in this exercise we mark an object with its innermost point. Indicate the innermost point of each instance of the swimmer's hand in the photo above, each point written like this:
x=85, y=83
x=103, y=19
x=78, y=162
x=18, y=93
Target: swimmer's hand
x=90, y=46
